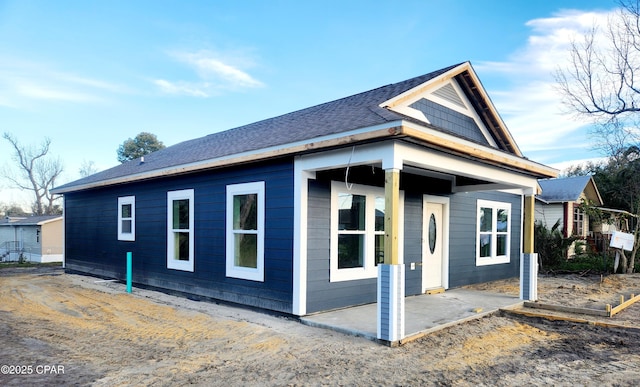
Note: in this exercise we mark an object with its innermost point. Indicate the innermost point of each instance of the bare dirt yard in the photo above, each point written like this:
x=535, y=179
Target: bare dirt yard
x=62, y=329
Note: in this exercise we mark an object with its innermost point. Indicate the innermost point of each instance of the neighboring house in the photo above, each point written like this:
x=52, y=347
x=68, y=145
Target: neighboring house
x=32, y=238
x=296, y=213
x=560, y=201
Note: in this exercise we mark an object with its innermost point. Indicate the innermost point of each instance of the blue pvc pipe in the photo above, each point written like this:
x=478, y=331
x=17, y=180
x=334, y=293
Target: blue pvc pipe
x=129, y=272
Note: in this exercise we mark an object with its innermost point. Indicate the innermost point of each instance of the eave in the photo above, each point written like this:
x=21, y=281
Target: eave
x=397, y=129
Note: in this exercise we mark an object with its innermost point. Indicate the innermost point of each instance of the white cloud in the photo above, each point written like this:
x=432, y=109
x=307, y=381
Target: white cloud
x=53, y=93
x=530, y=105
x=215, y=73
x=22, y=82
x=182, y=88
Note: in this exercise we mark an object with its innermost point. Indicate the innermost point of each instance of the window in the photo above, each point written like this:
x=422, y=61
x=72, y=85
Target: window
x=357, y=231
x=245, y=231
x=494, y=235
x=127, y=218
x=578, y=221
x=180, y=232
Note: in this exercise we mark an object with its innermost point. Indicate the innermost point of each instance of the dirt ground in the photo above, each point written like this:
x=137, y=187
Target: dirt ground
x=62, y=329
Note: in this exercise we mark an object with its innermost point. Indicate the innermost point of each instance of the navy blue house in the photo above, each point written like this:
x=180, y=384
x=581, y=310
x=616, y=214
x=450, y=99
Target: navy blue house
x=295, y=213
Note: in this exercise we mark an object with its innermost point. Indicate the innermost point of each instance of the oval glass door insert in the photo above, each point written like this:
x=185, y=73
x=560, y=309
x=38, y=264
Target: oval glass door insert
x=432, y=233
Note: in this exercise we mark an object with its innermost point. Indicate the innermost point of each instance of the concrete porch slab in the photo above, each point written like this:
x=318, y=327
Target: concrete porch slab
x=423, y=313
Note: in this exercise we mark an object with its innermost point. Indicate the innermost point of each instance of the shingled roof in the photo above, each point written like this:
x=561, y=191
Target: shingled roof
x=361, y=110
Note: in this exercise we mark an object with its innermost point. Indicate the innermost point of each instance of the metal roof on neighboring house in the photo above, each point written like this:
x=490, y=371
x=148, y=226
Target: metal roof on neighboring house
x=28, y=220
x=567, y=189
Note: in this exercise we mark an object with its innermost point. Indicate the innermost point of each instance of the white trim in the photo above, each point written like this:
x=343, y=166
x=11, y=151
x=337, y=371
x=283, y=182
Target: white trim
x=446, y=205
x=248, y=273
x=369, y=268
x=433, y=83
x=49, y=221
x=123, y=200
x=493, y=259
x=64, y=233
x=300, y=222
x=427, y=92
x=173, y=263
x=450, y=139
x=469, y=111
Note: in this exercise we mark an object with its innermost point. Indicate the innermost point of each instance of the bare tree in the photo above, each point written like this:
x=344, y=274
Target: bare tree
x=601, y=79
x=37, y=173
x=87, y=168
x=602, y=82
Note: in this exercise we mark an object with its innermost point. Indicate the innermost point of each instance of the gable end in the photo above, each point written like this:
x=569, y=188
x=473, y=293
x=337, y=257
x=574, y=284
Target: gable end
x=451, y=120
x=484, y=110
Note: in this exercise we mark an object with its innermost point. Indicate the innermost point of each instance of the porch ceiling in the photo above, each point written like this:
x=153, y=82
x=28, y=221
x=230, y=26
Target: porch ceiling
x=460, y=173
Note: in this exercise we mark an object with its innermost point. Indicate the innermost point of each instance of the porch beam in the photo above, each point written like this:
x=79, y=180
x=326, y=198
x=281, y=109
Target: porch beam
x=391, y=215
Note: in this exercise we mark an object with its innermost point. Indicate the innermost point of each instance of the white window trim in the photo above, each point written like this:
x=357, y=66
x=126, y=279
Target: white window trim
x=171, y=262
x=369, y=270
x=493, y=259
x=123, y=201
x=233, y=271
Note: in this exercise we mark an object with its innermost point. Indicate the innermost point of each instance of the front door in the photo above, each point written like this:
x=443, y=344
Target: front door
x=432, y=254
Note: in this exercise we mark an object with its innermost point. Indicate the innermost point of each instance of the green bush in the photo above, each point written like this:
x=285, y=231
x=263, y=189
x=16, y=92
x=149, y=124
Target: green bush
x=551, y=245
x=586, y=262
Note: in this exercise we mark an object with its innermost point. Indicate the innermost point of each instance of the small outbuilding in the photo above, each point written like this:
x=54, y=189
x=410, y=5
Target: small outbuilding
x=404, y=188
x=31, y=238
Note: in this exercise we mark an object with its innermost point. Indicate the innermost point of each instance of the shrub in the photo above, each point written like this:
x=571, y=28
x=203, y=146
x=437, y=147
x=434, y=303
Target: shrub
x=551, y=245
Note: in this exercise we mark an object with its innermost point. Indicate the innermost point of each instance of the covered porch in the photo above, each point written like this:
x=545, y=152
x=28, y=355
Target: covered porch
x=424, y=313
x=437, y=173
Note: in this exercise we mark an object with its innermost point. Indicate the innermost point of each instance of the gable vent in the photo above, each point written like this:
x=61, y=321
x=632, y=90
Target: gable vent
x=448, y=93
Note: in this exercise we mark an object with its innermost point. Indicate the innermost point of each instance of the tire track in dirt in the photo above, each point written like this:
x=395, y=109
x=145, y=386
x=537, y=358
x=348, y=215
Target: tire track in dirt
x=107, y=337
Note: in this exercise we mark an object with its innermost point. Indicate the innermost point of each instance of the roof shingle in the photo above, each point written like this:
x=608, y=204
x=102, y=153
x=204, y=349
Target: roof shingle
x=342, y=115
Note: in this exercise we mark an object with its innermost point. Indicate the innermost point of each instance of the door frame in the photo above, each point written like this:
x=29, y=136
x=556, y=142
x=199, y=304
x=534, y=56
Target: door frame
x=445, y=201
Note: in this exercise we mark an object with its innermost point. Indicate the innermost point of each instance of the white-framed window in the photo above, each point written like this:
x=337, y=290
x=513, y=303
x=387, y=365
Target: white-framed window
x=127, y=218
x=578, y=221
x=493, y=240
x=357, y=231
x=180, y=230
x=245, y=231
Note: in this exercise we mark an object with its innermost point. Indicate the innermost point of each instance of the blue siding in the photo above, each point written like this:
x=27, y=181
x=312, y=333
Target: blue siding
x=92, y=245
x=450, y=120
x=462, y=240
x=325, y=295
x=413, y=242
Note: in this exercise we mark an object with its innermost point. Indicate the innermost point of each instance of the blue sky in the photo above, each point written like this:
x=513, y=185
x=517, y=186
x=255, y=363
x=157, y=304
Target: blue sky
x=91, y=74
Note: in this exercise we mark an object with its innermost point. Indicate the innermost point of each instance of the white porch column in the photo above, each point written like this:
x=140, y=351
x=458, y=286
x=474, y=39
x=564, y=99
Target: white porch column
x=391, y=273
x=528, y=259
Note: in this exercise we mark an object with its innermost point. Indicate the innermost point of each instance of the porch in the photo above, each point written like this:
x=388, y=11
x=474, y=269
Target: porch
x=423, y=313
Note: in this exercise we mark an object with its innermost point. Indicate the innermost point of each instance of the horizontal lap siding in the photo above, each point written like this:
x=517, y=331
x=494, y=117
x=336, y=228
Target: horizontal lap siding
x=413, y=243
x=92, y=245
x=462, y=240
x=325, y=295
